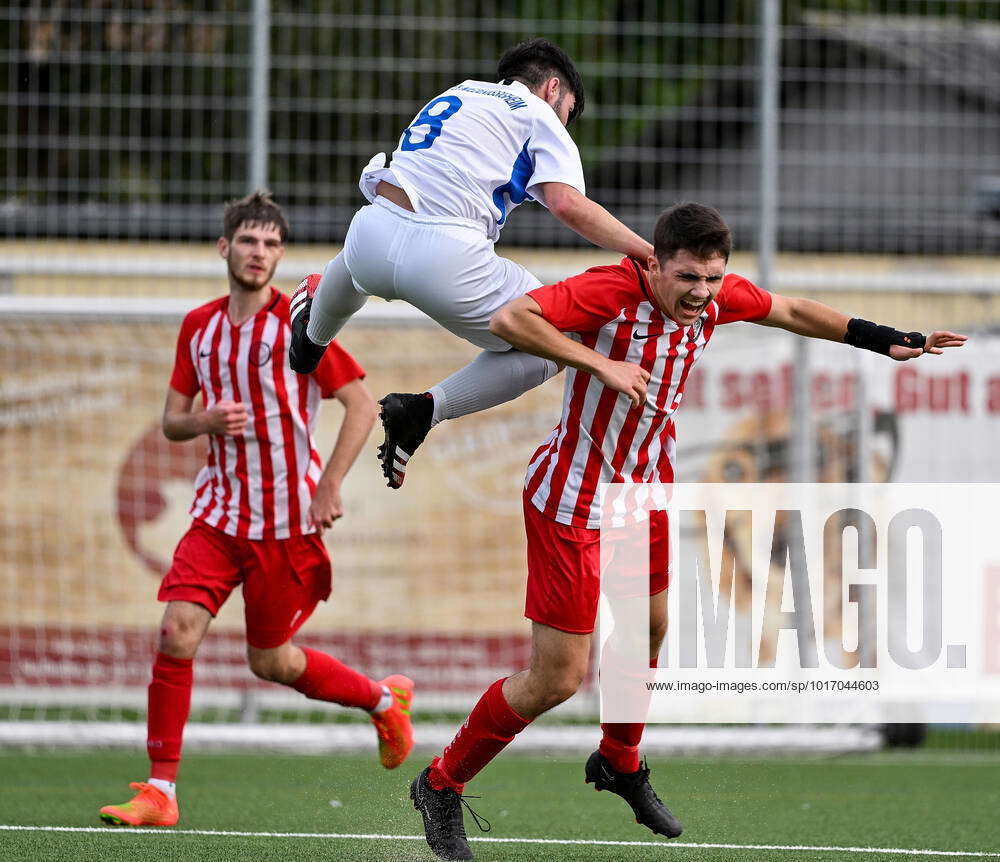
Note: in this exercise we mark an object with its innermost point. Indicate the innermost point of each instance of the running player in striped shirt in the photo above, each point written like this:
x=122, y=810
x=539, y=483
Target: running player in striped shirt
x=261, y=504
x=629, y=334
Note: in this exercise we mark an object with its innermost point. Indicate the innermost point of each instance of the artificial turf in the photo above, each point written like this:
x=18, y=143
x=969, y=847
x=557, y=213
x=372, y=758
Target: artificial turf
x=912, y=801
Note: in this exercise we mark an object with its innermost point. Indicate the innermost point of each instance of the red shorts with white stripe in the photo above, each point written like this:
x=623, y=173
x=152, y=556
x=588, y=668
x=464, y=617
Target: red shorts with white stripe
x=283, y=579
x=564, y=570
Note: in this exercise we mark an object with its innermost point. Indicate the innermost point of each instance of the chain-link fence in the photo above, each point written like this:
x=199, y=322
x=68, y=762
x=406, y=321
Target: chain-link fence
x=870, y=132
x=135, y=119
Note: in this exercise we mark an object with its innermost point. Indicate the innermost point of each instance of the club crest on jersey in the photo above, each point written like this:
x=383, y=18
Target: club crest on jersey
x=696, y=328
x=260, y=353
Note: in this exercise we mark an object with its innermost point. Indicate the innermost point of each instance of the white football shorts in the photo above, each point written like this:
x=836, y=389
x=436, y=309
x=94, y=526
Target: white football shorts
x=444, y=266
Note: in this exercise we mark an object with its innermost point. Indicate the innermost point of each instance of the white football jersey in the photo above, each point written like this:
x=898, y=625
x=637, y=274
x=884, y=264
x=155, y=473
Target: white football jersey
x=477, y=151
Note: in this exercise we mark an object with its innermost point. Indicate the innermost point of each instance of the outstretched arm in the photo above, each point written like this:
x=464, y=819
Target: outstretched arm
x=522, y=324
x=806, y=317
x=816, y=320
x=592, y=221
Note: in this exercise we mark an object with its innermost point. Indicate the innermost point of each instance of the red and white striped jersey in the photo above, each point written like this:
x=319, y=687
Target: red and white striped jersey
x=602, y=437
x=257, y=485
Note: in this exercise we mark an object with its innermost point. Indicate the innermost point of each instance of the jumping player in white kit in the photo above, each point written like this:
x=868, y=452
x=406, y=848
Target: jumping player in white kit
x=469, y=157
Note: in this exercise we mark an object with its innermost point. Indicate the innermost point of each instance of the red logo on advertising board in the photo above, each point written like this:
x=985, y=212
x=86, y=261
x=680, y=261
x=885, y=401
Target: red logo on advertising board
x=151, y=463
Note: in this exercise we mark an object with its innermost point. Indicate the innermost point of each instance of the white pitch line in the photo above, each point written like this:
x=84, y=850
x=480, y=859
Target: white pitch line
x=663, y=845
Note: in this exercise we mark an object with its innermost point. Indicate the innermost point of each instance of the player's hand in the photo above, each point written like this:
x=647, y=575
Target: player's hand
x=627, y=378
x=935, y=343
x=226, y=417
x=326, y=506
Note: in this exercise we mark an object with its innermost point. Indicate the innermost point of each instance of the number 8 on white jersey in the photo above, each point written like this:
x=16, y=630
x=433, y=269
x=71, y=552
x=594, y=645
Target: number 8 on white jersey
x=477, y=151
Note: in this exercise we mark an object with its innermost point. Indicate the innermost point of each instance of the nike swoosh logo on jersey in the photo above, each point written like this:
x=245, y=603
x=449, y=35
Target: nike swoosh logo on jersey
x=641, y=335
x=204, y=355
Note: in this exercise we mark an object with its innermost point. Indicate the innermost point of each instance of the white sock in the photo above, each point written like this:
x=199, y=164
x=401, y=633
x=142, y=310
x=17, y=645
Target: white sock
x=491, y=379
x=334, y=302
x=323, y=328
x=438, y=395
x=384, y=703
x=168, y=787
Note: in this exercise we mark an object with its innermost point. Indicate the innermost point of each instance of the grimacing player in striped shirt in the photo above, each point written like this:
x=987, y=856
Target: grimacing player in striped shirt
x=261, y=503
x=628, y=335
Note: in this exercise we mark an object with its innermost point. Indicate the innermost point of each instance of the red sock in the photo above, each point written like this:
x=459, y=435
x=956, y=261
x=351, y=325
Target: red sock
x=327, y=679
x=620, y=742
x=169, y=705
x=491, y=725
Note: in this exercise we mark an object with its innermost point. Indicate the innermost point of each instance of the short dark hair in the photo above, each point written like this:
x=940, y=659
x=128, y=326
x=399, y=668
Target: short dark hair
x=256, y=208
x=694, y=228
x=534, y=61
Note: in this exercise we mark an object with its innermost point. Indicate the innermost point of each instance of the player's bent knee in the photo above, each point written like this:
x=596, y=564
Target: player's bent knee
x=183, y=626
x=264, y=665
x=178, y=640
x=562, y=691
x=558, y=687
x=271, y=666
x=177, y=647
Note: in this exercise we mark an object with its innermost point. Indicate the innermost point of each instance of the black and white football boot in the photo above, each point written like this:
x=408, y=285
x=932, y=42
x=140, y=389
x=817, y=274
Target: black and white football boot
x=304, y=354
x=444, y=827
x=635, y=789
x=406, y=419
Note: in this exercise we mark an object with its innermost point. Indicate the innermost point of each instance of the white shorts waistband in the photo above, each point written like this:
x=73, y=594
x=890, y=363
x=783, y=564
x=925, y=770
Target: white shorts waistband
x=431, y=220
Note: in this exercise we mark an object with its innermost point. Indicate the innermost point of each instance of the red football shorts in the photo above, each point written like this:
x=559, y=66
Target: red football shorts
x=283, y=579
x=564, y=570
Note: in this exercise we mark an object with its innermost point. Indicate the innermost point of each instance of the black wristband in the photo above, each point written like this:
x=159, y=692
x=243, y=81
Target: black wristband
x=871, y=336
